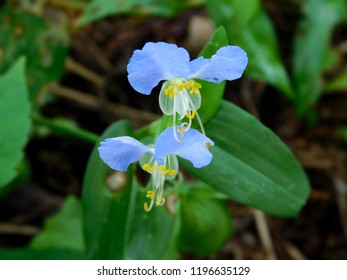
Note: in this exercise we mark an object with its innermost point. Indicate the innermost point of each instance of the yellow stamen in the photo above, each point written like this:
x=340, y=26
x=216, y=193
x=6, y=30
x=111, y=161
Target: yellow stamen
x=145, y=206
x=150, y=194
x=162, y=168
x=181, y=130
x=191, y=115
x=169, y=91
x=181, y=86
x=195, y=88
x=192, y=86
x=208, y=145
x=146, y=167
x=171, y=172
x=158, y=200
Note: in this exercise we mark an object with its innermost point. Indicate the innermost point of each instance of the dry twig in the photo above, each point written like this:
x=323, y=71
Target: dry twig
x=74, y=67
x=18, y=229
x=293, y=251
x=264, y=234
x=341, y=189
x=93, y=102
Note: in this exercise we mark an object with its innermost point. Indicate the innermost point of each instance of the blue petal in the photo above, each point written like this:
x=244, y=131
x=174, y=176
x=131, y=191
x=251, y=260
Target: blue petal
x=119, y=152
x=156, y=62
x=227, y=64
x=193, y=147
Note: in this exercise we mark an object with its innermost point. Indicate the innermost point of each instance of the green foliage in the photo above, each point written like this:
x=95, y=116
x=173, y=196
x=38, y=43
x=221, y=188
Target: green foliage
x=115, y=223
x=63, y=230
x=251, y=165
x=45, y=47
x=23, y=175
x=343, y=133
x=240, y=12
x=98, y=9
x=205, y=221
x=338, y=83
x=249, y=27
x=14, y=120
x=63, y=126
x=311, y=46
x=40, y=254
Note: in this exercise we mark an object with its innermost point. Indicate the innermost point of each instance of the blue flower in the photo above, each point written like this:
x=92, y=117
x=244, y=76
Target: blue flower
x=180, y=93
x=160, y=161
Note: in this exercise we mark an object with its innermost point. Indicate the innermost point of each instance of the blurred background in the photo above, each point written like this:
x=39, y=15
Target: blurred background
x=76, y=57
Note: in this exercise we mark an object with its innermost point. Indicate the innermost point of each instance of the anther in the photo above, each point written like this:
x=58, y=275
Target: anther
x=147, y=167
x=145, y=206
x=181, y=130
x=195, y=88
x=191, y=115
x=169, y=91
x=150, y=194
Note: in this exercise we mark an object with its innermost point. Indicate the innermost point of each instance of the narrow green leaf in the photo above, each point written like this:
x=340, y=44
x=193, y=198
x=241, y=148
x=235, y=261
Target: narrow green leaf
x=251, y=165
x=239, y=11
x=212, y=93
x=14, y=120
x=257, y=37
x=115, y=223
x=63, y=230
x=64, y=126
x=310, y=47
x=98, y=9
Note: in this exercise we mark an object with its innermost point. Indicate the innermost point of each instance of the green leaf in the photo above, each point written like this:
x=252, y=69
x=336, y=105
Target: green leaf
x=342, y=132
x=14, y=120
x=245, y=11
x=63, y=126
x=338, y=83
x=257, y=37
x=63, y=230
x=240, y=12
x=115, y=223
x=251, y=165
x=206, y=223
x=212, y=93
x=41, y=254
x=23, y=176
x=98, y=9
x=45, y=47
x=311, y=46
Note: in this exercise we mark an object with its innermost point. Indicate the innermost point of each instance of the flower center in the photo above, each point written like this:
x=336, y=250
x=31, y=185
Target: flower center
x=181, y=97
x=165, y=171
x=177, y=86
x=156, y=193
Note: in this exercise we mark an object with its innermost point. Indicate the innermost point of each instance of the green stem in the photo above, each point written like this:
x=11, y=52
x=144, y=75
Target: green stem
x=66, y=128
